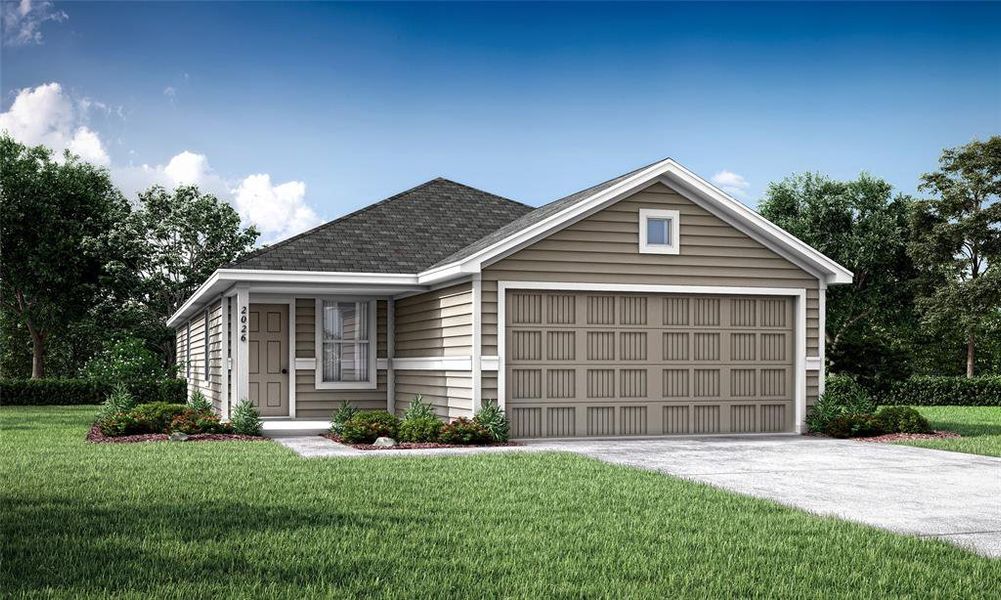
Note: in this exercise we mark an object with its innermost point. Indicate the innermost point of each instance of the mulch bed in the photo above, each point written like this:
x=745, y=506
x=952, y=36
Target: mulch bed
x=96, y=437
x=412, y=445
x=903, y=437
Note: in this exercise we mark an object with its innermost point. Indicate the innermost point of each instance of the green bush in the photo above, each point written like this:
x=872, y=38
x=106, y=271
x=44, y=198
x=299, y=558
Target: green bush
x=465, y=431
x=931, y=390
x=365, y=426
x=198, y=401
x=419, y=409
x=192, y=421
x=43, y=392
x=842, y=396
x=155, y=417
x=245, y=418
x=902, y=419
x=344, y=413
x=853, y=425
x=420, y=429
x=125, y=360
x=120, y=400
x=493, y=419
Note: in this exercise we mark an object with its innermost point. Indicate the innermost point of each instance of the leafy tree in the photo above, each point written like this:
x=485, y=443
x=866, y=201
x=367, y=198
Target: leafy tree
x=186, y=236
x=57, y=223
x=956, y=241
x=862, y=225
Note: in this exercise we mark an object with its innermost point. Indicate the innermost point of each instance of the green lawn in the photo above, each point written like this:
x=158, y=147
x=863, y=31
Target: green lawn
x=253, y=520
x=980, y=427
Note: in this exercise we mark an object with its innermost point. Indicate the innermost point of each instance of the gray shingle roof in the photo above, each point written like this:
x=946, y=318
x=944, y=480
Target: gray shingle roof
x=533, y=217
x=406, y=233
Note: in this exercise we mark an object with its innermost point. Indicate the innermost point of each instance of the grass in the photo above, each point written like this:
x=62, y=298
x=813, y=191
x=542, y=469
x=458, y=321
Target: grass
x=980, y=427
x=245, y=519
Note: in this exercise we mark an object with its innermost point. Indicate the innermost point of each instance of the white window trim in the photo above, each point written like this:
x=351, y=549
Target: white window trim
x=373, y=344
x=659, y=213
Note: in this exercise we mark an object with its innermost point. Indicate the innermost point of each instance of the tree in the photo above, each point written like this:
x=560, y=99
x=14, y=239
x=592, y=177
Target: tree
x=862, y=225
x=57, y=220
x=956, y=241
x=186, y=236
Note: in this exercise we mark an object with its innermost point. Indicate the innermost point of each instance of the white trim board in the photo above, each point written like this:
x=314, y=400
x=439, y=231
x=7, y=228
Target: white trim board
x=798, y=294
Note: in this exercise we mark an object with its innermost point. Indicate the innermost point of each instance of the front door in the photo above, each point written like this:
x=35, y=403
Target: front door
x=269, y=359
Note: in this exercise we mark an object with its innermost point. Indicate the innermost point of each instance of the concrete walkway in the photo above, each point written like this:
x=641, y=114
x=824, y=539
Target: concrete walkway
x=931, y=493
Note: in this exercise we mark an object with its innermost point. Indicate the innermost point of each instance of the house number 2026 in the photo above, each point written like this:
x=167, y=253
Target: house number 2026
x=243, y=323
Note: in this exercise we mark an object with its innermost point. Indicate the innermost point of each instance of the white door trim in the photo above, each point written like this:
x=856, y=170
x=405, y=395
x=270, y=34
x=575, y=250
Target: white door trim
x=799, y=294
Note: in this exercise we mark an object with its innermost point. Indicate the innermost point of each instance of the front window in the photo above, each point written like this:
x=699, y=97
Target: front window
x=345, y=341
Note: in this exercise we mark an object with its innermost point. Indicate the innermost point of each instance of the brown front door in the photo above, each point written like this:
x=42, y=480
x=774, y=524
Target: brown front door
x=269, y=359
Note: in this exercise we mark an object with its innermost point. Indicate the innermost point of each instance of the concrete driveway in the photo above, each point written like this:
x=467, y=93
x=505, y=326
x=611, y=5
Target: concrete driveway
x=952, y=496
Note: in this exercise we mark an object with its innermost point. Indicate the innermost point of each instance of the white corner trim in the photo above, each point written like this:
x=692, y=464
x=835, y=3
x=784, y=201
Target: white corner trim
x=475, y=362
x=674, y=235
x=822, y=337
x=390, y=352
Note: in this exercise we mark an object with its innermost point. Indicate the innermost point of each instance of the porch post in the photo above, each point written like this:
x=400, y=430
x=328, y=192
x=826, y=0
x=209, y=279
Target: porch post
x=241, y=349
x=390, y=351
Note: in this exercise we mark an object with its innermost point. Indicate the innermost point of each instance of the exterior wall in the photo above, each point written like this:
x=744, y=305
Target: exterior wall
x=604, y=248
x=215, y=341
x=436, y=324
x=311, y=403
x=210, y=386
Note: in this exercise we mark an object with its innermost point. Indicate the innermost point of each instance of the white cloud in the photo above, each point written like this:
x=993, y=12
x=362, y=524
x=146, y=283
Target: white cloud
x=49, y=116
x=170, y=91
x=22, y=21
x=277, y=211
x=731, y=183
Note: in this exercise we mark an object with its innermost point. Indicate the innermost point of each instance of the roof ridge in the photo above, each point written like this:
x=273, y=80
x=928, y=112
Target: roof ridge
x=469, y=187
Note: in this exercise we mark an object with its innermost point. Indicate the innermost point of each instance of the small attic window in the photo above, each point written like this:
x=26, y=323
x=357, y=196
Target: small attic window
x=659, y=231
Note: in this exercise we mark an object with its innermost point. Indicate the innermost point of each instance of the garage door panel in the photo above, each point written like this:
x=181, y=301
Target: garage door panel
x=597, y=364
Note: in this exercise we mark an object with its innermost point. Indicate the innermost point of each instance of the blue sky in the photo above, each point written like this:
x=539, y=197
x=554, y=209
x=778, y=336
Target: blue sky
x=298, y=112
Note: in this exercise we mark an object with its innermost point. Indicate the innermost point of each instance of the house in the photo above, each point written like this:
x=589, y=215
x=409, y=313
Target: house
x=650, y=304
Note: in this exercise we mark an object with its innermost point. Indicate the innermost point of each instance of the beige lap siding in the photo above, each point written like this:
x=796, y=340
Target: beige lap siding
x=604, y=248
x=436, y=324
x=450, y=392
x=210, y=386
x=312, y=403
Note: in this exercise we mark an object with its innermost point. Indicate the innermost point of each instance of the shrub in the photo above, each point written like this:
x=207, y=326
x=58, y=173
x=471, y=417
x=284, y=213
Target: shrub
x=116, y=424
x=245, y=418
x=41, y=392
x=465, y=431
x=853, y=425
x=344, y=413
x=902, y=419
x=419, y=409
x=192, y=421
x=120, y=400
x=125, y=360
x=928, y=390
x=198, y=401
x=154, y=417
x=420, y=429
x=842, y=396
x=365, y=426
x=493, y=419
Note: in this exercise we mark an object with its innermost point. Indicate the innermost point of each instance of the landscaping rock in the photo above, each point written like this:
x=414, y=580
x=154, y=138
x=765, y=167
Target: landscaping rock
x=384, y=442
x=178, y=436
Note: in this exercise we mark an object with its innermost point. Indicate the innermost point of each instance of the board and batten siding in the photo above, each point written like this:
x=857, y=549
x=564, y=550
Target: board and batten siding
x=311, y=403
x=436, y=324
x=604, y=248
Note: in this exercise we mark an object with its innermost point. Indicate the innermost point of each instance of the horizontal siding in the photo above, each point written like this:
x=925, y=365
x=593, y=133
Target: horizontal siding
x=437, y=323
x=311, y=403
x=604, y=248
x=213, y=387
x=450, y=392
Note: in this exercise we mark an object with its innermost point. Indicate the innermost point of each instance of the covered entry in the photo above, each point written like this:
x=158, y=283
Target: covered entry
x=601, y=363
